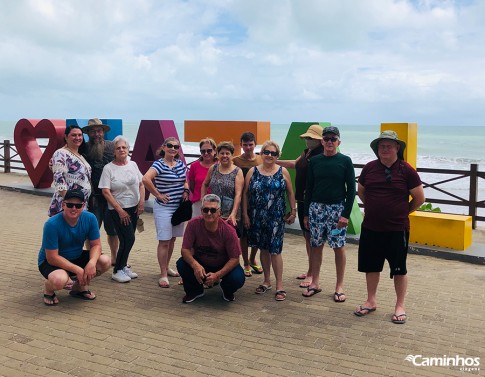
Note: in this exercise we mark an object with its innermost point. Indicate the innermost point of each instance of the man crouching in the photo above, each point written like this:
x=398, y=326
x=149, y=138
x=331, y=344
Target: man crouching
x=61, y=255
x=210, y=254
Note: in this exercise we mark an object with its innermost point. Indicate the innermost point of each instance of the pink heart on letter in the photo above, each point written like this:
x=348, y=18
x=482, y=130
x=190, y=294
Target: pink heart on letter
x=35, y=162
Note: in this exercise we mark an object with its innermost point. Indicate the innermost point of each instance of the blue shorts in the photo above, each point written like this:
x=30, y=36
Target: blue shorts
x=323, y=219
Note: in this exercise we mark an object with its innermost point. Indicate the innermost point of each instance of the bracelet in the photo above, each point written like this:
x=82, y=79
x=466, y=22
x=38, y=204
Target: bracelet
x=187, y=191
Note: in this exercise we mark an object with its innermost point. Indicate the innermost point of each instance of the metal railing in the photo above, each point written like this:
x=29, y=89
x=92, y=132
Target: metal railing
x=435, y=181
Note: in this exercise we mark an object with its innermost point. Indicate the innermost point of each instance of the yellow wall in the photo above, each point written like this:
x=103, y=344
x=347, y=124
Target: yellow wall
x=407, y=132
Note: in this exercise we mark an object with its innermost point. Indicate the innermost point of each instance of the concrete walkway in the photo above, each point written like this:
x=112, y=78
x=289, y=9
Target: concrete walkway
x=139, y=329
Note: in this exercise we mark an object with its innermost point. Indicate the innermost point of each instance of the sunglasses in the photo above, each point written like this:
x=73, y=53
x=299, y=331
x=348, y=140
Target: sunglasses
x=267, y=153
x=174, y=146
x=208, y=151
x=211, y=210
x=388, y=175
x=332, y=139
x=77, y=205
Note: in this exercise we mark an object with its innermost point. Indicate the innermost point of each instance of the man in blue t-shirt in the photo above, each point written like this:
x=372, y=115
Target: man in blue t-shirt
x=61, y=255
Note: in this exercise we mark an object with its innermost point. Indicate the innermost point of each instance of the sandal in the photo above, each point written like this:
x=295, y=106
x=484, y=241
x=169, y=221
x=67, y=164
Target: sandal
x=301, y=277
x=52, y=298
x=172, y=273
x=339, y=297
x=280, y=295
x=247, y=272
x=257, y=268
x=163, y=283
x=83, y=295
x=263, y=289
x=395, y=318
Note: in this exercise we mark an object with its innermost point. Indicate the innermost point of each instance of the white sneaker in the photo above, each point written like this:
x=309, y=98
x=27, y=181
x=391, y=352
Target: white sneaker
x=128, y=272
x=120, y=277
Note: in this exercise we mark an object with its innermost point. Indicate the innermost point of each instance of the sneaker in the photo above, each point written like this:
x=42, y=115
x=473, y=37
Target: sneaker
x=191, y=298
x=120, y=277
x=227, y=296
x=128, y=272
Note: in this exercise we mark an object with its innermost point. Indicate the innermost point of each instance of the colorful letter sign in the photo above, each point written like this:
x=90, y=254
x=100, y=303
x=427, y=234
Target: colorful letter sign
x=36, y=162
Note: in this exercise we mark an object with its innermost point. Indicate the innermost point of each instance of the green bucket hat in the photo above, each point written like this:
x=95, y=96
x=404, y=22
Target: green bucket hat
x=389, y=135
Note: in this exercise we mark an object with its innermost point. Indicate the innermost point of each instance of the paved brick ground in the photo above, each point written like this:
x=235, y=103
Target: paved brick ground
x=139, y=329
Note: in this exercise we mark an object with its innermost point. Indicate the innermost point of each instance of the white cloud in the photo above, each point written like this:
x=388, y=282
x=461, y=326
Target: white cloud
x=277, y=60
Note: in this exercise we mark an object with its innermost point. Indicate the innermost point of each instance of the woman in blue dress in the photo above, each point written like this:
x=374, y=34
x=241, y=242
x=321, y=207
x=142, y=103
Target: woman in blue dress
x=264, y=214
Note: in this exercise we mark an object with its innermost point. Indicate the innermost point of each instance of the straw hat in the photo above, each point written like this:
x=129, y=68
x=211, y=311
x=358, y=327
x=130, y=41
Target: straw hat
x=314, y=132
x=389, y=135
x=95, y=123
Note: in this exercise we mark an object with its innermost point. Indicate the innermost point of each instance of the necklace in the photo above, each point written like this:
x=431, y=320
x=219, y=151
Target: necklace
x=170, y=164
x=74, y=153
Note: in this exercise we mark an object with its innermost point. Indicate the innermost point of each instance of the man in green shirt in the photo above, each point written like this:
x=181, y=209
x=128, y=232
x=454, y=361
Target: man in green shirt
x=329, y=196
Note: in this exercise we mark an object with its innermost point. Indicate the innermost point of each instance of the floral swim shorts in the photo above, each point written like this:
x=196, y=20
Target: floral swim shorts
x=323, y=219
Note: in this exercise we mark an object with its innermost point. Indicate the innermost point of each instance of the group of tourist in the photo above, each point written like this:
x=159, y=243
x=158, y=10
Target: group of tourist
x=238, y=202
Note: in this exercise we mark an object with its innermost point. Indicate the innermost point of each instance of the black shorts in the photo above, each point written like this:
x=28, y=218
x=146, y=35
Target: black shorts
x=301, y=216
x=376, y=247
x=45, y=268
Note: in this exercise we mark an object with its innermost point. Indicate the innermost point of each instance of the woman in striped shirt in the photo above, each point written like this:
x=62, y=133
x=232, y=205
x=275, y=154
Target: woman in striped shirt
x=166, y=180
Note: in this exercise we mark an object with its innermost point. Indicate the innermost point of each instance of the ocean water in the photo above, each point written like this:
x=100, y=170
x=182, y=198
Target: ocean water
x=439, y=147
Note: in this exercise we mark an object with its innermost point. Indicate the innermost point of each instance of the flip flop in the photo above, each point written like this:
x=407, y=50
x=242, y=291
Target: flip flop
x=262, y=289
x=50, y=297
x=399, y=321
x=163, y=283
x=247, y=272
x=305, y=284
x=336, y=297
x=301, y=277
x=280, y=295
x=172, y=273
x=257, y=268
x=359, y=311
x=311, y=292
x=83, y=295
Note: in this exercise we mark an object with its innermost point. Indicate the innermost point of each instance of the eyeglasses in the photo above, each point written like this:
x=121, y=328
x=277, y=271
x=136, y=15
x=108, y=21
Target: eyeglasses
x=387, y=172
x=208, y=151
x=211, y=210
x=77, y=205
x=267, y=153
x=174, y=146
x=332, y=139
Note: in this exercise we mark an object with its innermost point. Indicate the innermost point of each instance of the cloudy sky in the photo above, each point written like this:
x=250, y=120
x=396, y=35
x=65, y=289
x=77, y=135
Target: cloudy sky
x=348, y=62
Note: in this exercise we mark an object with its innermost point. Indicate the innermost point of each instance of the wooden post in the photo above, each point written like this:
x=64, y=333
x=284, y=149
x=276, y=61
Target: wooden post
x=472, y=206
x=6, y=156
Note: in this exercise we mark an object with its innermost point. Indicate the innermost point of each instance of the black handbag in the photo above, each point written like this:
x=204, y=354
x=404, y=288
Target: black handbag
x=182, y=213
